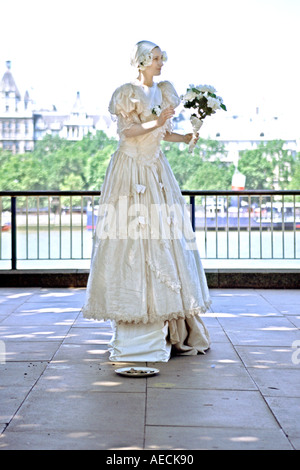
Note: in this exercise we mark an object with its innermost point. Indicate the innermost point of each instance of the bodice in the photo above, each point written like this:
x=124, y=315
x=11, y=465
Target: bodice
x=134, y=103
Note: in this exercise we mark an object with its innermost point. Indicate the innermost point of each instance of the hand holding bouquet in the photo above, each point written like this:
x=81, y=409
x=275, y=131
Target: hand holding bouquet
x=202, y=99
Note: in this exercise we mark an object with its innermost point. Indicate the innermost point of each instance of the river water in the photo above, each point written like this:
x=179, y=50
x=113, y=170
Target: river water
x=72, y=248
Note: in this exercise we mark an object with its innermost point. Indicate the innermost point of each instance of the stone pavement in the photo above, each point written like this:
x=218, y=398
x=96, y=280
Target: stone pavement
x=58, y=389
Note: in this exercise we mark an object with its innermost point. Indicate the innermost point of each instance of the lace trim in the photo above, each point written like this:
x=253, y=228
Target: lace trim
x=94, y=313
x=175, y=286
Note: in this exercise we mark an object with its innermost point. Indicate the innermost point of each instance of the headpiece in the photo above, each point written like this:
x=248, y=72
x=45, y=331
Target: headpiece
x=142, y=54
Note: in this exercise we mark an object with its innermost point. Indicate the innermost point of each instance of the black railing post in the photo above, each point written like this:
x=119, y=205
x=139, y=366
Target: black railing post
x=13, y=233
x=193, y=217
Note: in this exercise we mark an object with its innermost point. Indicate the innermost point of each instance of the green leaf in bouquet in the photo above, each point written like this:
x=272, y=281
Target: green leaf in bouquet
x=223, y=107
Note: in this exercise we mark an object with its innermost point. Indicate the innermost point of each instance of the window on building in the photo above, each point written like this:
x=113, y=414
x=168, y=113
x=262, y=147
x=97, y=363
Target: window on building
x=7, y=146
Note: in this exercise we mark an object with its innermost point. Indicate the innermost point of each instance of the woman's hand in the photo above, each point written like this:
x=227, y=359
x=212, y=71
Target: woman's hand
x=188, y=137
x=166, y=114
x=146, y=127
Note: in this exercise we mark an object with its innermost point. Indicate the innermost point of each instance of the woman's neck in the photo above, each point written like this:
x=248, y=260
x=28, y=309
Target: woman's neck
x=145, y=80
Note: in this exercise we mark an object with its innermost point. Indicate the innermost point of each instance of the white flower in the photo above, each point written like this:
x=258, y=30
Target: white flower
x=156, y=110
x=164, y=56
x=191, y=95
x=213, y=103
x=141, y=220
x=140, y=188
x=145, y=60
x=205, y=88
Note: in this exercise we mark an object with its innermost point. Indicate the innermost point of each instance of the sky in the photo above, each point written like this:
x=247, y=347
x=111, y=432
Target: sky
x=247, y=49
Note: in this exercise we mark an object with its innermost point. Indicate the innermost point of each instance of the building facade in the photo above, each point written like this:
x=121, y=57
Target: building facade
x=16, y=116
x=22, y=123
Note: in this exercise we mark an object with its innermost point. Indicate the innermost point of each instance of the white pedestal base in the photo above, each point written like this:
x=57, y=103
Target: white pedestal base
x=140, y=343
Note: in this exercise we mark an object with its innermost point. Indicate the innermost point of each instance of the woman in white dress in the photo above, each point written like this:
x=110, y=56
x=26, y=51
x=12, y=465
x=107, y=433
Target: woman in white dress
x=146, y=275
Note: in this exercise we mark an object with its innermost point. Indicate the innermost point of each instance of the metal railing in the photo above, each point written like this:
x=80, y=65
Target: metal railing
x=58, y=225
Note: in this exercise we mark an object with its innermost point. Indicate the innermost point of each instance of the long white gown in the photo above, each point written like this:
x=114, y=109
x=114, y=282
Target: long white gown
x=146, y=275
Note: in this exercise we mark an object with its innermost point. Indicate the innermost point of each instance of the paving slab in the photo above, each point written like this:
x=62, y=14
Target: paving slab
x=195, y=374
x=37, y=314
x=79, y=335
x=33, y=332
x=58, y=389
x=212, y=408
x=214, y=438
x=265, y=357
x=7, y=308
x=81, y=353
x=74, y=296
x=281, y=296
x=287, y=412
x=21, y=374
x=265, y=337
x=275, y=382
x=269, y=323
x=30, y=350
x=88, y=377
x=116, y=439
x=295, y=320
x=288, y=309
x=80, y=411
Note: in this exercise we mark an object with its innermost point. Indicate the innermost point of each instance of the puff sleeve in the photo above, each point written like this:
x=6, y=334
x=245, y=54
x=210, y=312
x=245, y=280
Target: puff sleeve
x=123, y=107
x=169, y=94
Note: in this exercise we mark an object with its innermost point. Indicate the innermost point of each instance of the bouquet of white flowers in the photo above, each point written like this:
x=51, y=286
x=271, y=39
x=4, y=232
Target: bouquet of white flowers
x=202, y=99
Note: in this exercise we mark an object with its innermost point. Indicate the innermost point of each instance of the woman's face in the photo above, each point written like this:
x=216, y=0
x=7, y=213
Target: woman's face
x=157, y=62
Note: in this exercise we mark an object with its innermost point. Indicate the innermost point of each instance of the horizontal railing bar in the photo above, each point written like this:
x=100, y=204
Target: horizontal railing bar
x=48, y=193
x=246, y=192
x=185, y=192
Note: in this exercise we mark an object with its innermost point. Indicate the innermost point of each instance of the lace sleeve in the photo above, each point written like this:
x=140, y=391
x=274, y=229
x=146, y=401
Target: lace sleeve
x=123, y=107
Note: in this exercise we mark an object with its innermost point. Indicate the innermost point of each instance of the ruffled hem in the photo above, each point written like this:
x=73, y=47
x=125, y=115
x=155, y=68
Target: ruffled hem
x=95, y=314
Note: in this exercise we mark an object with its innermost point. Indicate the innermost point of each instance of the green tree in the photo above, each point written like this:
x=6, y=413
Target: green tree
x=57, y=164
x=283, y=162
x=198, y=171
x=258, y=170
x=13, y=171
x=295, y=179
x=211, y=175
x=99, y=153
x=182, y=163
x=267, y=166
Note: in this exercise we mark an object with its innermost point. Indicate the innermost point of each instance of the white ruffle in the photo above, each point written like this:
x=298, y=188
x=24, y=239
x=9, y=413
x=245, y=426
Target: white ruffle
x=94, y=313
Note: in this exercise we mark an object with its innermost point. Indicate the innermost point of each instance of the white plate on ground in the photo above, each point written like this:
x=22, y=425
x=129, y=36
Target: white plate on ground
x=137, y=371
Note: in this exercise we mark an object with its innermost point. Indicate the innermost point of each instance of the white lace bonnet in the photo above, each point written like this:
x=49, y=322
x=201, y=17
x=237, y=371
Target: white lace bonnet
x=142, y=54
